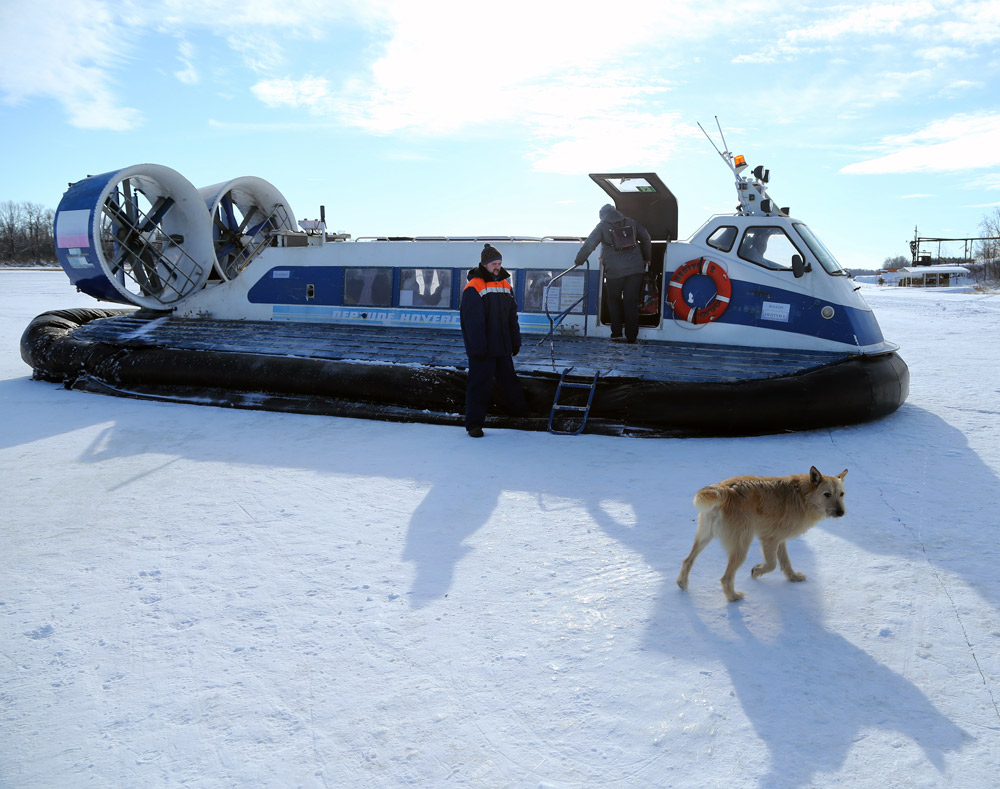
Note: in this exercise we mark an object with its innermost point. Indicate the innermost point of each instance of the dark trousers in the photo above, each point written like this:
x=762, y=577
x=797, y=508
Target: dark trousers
x=483, y=373
x=623, y=304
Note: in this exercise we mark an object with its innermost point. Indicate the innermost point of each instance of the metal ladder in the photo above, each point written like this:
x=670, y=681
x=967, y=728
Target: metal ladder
x=585, y=410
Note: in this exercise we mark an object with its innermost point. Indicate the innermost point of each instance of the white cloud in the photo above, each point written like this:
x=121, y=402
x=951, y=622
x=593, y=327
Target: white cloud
x=616, y=142
x=971, y=24
x=310, y=93
x=70, y=51
x=934, y=31
x=260, y=52
x=991, y=182
x=550, y=74
x=447, y=67
x=959, y=87
x=280, y=127
x=962, y=142
x=875, y=19
x=405, y=156
x=224, y=16
x=65, y=51
x=942, y=54
x=189, y=74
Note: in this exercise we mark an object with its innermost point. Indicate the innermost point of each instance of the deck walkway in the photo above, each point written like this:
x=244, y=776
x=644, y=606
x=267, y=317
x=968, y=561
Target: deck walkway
x=443, y=348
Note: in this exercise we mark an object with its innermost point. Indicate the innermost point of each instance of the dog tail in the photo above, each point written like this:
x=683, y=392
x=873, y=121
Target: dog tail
x=709, y=498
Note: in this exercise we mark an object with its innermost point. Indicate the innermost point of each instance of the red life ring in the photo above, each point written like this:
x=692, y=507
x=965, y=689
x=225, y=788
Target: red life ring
x=712, y=310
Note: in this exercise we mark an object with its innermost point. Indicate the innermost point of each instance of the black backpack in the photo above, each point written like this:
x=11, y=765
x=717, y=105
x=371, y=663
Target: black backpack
x=622, y=236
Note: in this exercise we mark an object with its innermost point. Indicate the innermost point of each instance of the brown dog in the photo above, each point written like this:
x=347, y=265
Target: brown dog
x=773, y=509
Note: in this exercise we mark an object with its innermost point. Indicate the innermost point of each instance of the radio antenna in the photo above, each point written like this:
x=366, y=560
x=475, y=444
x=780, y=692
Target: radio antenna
x=723, y=136
x=725, y=155
x=753, y=195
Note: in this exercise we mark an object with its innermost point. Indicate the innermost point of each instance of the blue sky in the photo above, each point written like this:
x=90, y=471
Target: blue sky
x=425, y=117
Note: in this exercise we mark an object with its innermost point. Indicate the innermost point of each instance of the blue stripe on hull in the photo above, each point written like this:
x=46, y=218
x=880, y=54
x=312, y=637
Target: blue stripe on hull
x=751, y=305
x=763, y=307
x=378, y=316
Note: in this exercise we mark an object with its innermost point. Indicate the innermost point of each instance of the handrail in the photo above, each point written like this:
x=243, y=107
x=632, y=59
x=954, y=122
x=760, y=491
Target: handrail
x=553, y=322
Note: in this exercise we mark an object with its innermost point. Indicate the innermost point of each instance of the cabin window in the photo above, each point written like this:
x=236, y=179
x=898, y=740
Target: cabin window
x=566, y=291
x=769, y=247
x=819, y=250
x=425, y=287
x=723, y=238
x=367, y=287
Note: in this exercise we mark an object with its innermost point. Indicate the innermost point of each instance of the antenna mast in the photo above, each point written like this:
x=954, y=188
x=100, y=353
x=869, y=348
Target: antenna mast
x=752, y=194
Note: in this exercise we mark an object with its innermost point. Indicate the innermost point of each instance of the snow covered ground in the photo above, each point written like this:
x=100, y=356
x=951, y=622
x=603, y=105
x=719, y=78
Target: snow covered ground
x=203, y=597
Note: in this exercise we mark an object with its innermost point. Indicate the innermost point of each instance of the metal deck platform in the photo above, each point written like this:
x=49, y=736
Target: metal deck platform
x=443, y=348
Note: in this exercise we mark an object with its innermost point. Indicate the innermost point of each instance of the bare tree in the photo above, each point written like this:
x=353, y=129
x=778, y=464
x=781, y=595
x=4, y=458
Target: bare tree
x=26, y=233
x=38, y=232
x=11, y=221
x=989, y=228
x=989, y=245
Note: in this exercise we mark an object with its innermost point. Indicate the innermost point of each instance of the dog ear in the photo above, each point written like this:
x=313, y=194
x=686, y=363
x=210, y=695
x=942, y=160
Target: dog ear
x=814, y=476
x=842, y=474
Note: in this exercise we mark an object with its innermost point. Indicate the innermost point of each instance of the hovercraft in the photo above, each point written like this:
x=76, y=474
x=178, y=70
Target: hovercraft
x=748, y=327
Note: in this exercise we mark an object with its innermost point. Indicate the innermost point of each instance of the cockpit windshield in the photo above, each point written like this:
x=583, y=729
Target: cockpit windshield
x=820, y=252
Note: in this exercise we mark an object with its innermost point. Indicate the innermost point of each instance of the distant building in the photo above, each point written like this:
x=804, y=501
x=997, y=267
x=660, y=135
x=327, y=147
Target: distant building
x=942, y=276
x=935, y=276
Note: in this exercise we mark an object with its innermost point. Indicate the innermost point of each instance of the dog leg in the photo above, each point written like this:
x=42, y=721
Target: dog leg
x=770, y=550
x=701, y=539
x=786, y=565
x=737, y=555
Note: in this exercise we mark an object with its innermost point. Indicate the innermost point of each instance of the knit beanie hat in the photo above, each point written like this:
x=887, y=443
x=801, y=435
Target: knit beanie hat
x=609, y=213
x=489, y=254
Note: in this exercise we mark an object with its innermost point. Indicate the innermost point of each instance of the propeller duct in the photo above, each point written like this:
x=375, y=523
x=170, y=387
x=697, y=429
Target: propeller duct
x=246, y=213
x=141, y=235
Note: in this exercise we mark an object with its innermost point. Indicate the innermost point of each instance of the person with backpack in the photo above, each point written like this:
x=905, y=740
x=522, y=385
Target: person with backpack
x=492, y=338
x=626, y=250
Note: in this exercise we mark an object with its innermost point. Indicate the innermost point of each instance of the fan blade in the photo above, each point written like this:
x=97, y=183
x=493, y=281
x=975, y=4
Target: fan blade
x=227, y=205
x=265, y=225
x=246, y=218
x=156, y=213
x=220, y=226
x=128, y=199
x=118, y=217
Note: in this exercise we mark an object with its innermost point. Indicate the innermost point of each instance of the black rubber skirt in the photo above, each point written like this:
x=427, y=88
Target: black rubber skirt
x=845, y=390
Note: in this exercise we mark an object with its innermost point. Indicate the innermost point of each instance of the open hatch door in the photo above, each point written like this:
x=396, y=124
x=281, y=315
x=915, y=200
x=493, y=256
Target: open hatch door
x=644, y=198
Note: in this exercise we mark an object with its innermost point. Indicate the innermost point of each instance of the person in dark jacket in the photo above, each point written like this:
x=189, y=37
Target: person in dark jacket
x=492, y=338
x=623, y=270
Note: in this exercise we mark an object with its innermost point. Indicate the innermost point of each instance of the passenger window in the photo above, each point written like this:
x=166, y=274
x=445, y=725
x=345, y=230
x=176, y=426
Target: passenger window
x=368, y=287
x=566, y=291
x=425, y=287
x=769, y=247
x=723, y=238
